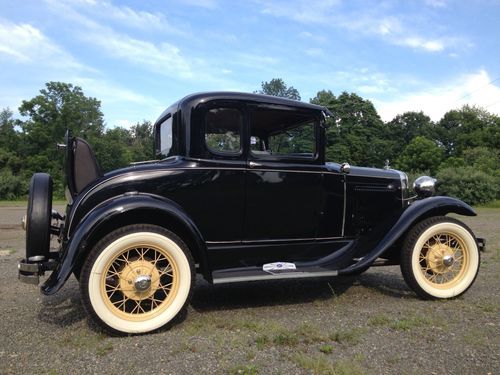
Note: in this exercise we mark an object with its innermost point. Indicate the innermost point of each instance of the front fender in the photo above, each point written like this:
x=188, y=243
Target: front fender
x=105, y=212
x=417, y=211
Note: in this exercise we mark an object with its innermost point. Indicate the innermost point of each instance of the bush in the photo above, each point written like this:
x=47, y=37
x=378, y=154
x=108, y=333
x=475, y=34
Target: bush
x=11, y=187
x=468, y=184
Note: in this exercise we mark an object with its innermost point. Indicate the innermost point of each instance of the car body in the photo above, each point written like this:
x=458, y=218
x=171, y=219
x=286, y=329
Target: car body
x=240, y=192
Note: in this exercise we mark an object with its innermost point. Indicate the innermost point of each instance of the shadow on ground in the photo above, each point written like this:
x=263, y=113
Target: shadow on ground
x=65, y=308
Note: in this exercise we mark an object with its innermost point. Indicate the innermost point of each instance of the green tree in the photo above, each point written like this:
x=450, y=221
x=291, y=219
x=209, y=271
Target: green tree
x=59, y=106
x=142, y=141
x=419, y=155
x=483, y=159
x=356, y=133
x=277, y=87
x=113, y=149
x=468, y=127
x=403, y=128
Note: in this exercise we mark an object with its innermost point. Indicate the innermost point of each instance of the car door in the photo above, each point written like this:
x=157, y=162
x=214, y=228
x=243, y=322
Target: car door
x=214, y=193
x=283, y=182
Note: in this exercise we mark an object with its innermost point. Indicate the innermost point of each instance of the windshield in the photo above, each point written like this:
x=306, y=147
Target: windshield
x=166, y=137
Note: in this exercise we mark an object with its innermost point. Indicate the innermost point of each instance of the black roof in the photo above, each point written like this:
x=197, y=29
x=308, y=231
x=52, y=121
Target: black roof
x=193, y=100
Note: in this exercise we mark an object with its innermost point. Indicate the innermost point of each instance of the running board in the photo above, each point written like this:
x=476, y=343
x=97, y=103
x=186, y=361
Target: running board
x=236, y=275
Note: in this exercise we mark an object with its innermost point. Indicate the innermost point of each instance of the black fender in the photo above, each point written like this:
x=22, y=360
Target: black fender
x=417, y=211
x=75, y=248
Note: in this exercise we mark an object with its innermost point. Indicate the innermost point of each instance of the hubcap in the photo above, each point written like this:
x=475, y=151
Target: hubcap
x=448, y=260
x=142, y=283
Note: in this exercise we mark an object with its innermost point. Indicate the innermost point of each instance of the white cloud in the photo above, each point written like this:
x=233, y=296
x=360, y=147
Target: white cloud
x=314, y=52
x=120, y=101
x=124, y=123
x=123, y=14
x=313, y=37
x=398, y=29
x=208, y=4
x=162, y=58
x=304, y=11
x=24, y=43
x=437, y=3
x=472, y=89
x=420, y=43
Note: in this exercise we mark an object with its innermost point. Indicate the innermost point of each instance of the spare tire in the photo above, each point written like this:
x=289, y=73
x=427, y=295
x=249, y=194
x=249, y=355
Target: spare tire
x=38, y=217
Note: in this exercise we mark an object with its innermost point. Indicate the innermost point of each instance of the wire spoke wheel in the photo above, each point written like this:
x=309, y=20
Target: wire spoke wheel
x=443, y=260
x=440, y=258
x=140, y=282
x=137, y=279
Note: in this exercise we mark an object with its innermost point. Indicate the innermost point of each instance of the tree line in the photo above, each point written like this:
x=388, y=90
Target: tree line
x=461, y=149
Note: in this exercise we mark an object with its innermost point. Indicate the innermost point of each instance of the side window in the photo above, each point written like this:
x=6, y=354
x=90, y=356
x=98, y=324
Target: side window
x=223, y=128
x=282, y=133
x=298, y=141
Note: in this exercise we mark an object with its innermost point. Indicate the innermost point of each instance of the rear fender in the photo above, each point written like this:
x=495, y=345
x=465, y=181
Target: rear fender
x=76, y=248
x=416, y=212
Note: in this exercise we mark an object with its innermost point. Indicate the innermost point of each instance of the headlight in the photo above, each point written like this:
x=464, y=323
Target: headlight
x=424, y=186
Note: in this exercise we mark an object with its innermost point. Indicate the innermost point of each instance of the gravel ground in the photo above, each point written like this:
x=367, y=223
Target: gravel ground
x=367, y=324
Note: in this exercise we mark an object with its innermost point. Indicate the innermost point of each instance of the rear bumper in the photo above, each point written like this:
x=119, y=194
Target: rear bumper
x=29, y=272
x=481, y=244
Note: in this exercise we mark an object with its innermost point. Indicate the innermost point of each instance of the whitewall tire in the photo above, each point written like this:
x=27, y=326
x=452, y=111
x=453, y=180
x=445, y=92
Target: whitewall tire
x=440, y=258
x=137, y=279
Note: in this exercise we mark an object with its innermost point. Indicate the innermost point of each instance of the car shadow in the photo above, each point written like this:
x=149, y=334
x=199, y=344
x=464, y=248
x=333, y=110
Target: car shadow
x=65, y=308
x=207, y=297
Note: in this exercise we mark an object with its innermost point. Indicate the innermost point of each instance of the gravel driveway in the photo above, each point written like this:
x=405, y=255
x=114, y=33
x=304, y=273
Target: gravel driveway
x=347, y=325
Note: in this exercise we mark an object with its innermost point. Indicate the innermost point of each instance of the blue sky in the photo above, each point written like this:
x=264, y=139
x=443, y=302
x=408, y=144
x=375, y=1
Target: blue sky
x=139, y=57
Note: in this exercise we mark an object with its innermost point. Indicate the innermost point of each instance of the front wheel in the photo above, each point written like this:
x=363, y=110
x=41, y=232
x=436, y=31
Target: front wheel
x=440, y=258
x=137, y=279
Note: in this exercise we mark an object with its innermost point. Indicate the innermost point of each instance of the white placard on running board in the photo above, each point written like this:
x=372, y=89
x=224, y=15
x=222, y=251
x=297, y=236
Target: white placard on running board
x=278, y=267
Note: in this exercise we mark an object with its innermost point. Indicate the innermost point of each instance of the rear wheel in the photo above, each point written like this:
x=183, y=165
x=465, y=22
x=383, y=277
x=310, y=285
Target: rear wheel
x=137, y=279
x=440, y=258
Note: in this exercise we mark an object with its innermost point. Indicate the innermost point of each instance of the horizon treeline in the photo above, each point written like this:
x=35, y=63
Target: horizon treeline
x=461, y=149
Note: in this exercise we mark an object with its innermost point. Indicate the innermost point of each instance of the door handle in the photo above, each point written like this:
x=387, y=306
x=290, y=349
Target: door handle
x=253, y=164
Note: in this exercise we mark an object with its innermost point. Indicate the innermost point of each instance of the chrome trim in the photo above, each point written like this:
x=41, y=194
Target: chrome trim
x=345, y=168
x=290, y=275
x=403, y=177
x=424, y=186
x=345, y=207
x=286, y=240
x=271, y=169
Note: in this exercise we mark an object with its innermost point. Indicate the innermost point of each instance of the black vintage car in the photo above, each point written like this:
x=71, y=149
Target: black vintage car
x=241, y=191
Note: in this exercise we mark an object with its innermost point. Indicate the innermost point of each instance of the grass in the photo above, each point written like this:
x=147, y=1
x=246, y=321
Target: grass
x=320, y=365
x=4, y=252
x=492, y=204
x=243, y=370
x=402, y=324
x=488, y=307
x=326, y=349
x=84, y=340
x=405, y=324
x=279, y=335
x=24, y=202
x=347, y=337
x=379, y=320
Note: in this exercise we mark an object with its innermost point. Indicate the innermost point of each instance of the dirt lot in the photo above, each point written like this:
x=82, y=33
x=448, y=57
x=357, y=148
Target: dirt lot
x=367, y=324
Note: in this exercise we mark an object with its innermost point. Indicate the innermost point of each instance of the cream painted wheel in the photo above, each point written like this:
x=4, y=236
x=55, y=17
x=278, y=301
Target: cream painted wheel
x=440, y=258
x=137, y=279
